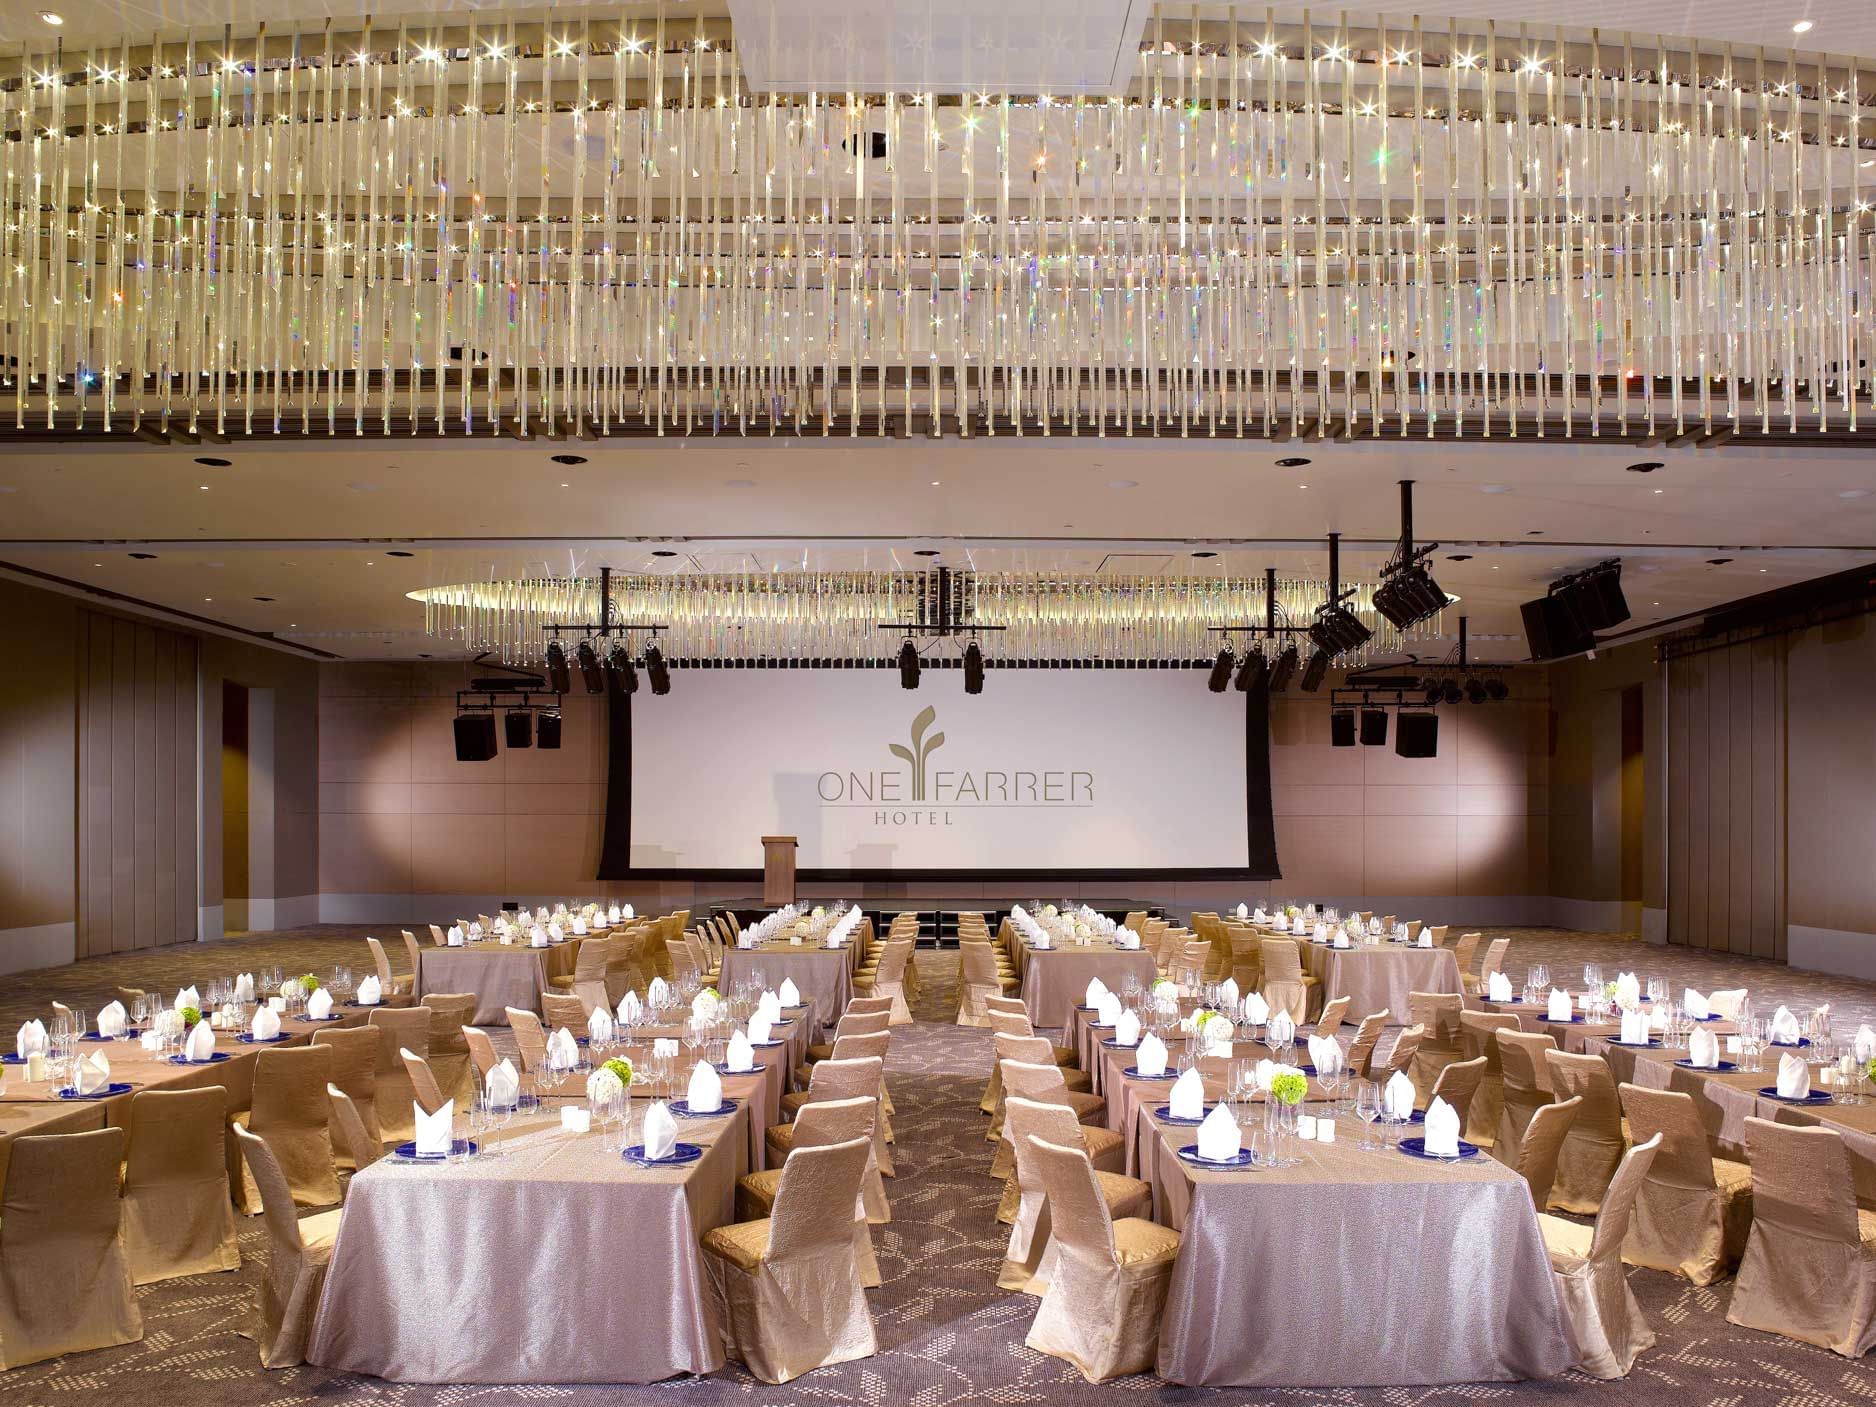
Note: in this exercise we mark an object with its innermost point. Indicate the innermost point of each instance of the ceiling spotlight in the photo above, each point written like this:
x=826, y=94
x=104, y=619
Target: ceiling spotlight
x=1220, y=679
x=657, y=670
x=1409, y=595
x=1336, y=630
x=569, y=459
x=973, y=669
x=557, y=673
x=1450, y=692
x=908, y=666
x=1646, y=466
x=1253, y=672
x=1475, y=690
x=590, y=673
x=1315, y=672
x=624, y=672
x=1801, y=27
x=1430, y=688
x=1497, y=690
x=52, y=17
x=1292, y=463
x=212, y=463
x=1282, y=669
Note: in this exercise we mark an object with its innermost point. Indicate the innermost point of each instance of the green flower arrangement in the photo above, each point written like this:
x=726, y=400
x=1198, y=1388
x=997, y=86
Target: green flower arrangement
x=710, y=992
x=622, y=1068
x=1289, y=1087
x=1290, y=911
x=191, y=1015
x=309, y=983
x=1165, y=984
x=1204, y=1019
x=1869, y=1070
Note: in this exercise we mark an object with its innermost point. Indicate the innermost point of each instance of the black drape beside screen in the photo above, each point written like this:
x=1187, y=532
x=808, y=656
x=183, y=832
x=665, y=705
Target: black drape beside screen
x=615, y=860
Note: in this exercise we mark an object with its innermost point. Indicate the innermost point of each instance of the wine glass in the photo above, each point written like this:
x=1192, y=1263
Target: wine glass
x=1368, y=1109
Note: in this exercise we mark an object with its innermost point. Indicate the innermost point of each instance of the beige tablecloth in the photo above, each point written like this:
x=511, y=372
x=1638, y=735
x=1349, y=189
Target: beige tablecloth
x=553, y=1261
x=823, y=976
x=1380, y=977
x=500, y=976
x=1056, y=979
x=1354, y=1269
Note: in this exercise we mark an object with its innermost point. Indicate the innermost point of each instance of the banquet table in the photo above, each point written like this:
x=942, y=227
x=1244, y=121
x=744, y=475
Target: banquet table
x=1054, y=980
x=500, y=975
x=1353, y=1268
x=823, y=976
x=599, y=1272
x=1379, y=976
x=1131, y=1100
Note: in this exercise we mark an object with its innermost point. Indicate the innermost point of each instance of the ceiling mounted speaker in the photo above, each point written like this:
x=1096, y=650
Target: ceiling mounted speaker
x=1417, y=734
x=1374, y=727
x=1597, y=599
x=1553, y=630
x=547, y=731
x=518, y=728
x=475, y=737
x=1342, y=727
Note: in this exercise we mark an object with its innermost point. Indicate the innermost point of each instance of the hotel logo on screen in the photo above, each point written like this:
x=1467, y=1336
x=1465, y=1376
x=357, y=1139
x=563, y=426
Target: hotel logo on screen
x=921, y=794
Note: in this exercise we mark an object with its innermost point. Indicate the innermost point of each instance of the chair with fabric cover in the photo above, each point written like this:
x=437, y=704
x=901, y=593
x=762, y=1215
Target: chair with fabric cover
x=1042, y=1082
x=530, y=1037
x=1542, y=1142
x=1595, y=1145
x=816, y=1126
x=1414, y=926
x=1361, y=1049
x=64, y=1277
x=565, y=1009
x=851, y=1023
x=423, y=1086
x=353, y=1068
x=297, y=1255
x=1108, y=1278
x=449, y=1052
x=1436, y=933
x=1438, y=1014
x=482, y=1053
x=1036, y=1050
x=1457, y=1084
x=868, y=1006
x=864, y=1047
x=392, y=987
x=178, y=1219
x=129, y=997
x=589, y=965
x=1494, y=962
x=1477, y=1032
x=1026, y=1260
x=1286, y=986
x=682, y=958
x=1605, y=1327
x=1017, y=1025
x=361, y=1146
x=786, y=1289
x=1695, y=1210
x=1526, y=1088
x=1135, y=920
x=1463, y=952
x=288, y=1109
x=438, y=939
x=1334, y=1016
x=890, y=979
x=979, y=979
x=837, y=1079
x=398, y=1031
x=1809, y=1271
x=414, y=953
x=1399, y=1057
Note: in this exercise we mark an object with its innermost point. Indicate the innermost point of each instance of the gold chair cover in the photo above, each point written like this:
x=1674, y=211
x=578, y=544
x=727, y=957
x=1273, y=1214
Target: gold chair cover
x=1521, y=1067
x=178, y=1219
x=1477, y=1030
x=64, y=1278
x=423, y=1085
x=394, y=988
x=838, y=1079
x=482, y=1053
x=408, y=1029
x=787, y=1290
x=1457, y=1085
x=1542, y=1142
x=297, y=1253
x=1809, y=1271
x=818, y=1125
x=1108, y=1280
x=1400, y=1055
x=354, y=1069
x=530, y=1037
x=289, y=1111
x=1593, y=1149
x=1285, y=987
x=1437, y=1014
x=1038, y=1051
x=362, y=1148
x=1694, y=1211
x=558, y=1009
x=1606, y=1328
x=1463, y=952
x=1027, y=1259
x=1042, y=1082
x=1334, y=1016
x=1367, y=1036
x=449, y=1052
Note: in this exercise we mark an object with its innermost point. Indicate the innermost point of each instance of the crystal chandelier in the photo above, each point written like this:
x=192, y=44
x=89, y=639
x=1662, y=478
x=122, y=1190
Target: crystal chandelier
x=1282, y=228
x=802, y=618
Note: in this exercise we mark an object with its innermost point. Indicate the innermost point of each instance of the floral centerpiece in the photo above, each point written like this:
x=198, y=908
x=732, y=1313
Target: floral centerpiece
x=1869, y=1070
x=605, y=1083
x=820, y=912
x=621, y=1069
x=1290, y=911
x=309, y=984
x=1213, y=1028
x=1289, y=1087
x=190, y=1015
x=705, y=1002
x=1166, y=994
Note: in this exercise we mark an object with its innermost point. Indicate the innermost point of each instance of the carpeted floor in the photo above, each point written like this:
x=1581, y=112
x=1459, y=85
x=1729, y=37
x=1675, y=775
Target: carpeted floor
x=947, y=1335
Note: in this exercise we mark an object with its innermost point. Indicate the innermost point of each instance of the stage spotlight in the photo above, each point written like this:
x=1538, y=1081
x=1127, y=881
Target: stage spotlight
x=1336, y=630
x=973, y=669
x=1341, y=727
x=657, y=670
x=1431, y=688
x=1220, y=679
x=547, y=731
x=1475, y=690
x=1252, y=672
x=557, y=673
x=518, y=728
x=475, y=737
x=1374, y=727
x=1315, y=672
x=590, y=673
x=1409, y=596
x=619, y=661
x=1497, y=690
x=1450, y=692
x=1283, y=670
x=908, y=666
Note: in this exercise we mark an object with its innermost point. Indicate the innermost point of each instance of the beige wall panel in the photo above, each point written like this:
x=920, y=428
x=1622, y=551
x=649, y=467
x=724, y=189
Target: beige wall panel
x=1409, y=855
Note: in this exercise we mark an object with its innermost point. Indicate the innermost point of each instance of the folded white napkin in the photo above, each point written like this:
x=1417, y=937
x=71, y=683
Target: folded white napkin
x=1218, y=1136
x=1040, y=938
x=433, y=1130
x=1127, y=940
x=1561, y=1008
x=1325, y=1053
x=1256, y=1009
x=1341, y=938
x=665, y=1045
x=276, y=1004
x=31, y=1039
x=94, y=1072
x=1498, y=988
x=599, y=1025
x=1703, y=1049
x=631, y=1009
x=790, y=994
x=761, y=1029
x=188, y=997
x=112, y=1019
x=769, y=1006
x=555, y=933
x=151, y=1039
x=1107, y=1010
x=1096, y=990
x=537, y=937
x=1634, y=1028
x=1188, y=1096
x=1785, y=1029
x=1127, y=1029
x=579, y=926
x=370, y=993
x=1864, y=1045
x=266, y=1024
x=741, y=1055
x=1426, y=938
x=244, y=987
x=1228, y=995
x=503, y=1086
x=319, y=1004
x=1794, y=1077
x=705, y=1095
x=563, y=1052
x=1282, y=1027
x=1442, y=1129
x=660, y=1131
x=1242, y=911
x=1298, y=927
x=1320, y=932
x=1151, y=1057
x=1727, y=1003
x=455, y=938
x=619, y=912
x=1694, y=1005
x=658, y=992
x=1397, y=1096
x=201, y=1041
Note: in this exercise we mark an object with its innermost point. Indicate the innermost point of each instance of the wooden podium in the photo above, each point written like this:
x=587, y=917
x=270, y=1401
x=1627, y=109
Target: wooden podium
x=778, y=869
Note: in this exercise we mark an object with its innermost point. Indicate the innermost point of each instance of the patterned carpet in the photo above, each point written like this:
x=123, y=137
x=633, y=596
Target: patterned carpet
x=947, y=1335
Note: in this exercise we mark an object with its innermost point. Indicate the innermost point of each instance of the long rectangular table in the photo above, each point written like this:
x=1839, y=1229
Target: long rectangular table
x=1380, y=976
x=1054, y=980
x=823, y=976
x=500, y=975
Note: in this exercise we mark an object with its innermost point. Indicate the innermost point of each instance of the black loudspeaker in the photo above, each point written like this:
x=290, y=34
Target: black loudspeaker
x=1417, y=734
x=1553, y=630
x=1374, y=727
x=547, y=730
x=1342, y=727
x=518, y=728
x=1598, y=601
x=475, y=737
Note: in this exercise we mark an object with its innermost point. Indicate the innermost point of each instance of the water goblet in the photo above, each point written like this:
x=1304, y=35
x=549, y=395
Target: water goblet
x=1368, y=1109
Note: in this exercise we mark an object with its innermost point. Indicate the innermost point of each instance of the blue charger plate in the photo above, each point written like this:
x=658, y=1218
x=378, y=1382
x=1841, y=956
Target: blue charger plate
x=215, y=1057
x=681, y=1107
x=1132, y=1072
x=681, y=1154
x=1417, y=1148
x=249, y=1038
x=1190, y=1153
x=1816, y=1096
x=1166, y=1116
x=1725, y=1067
x=114, y=1087
x=407, y=1152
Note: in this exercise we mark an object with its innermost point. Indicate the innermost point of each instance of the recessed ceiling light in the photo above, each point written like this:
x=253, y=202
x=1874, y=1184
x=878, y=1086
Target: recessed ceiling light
x=1534, y=532
x=1801, y=27
x=263, y=598
x=1854, y=493
x=1647, y=466
x=211, y=463
x=1718, y=561
x=566, y=486
x=208, y=598
x=569, y=459
x=1459, y=557
x=926, y=552
x=1660, y=490
x=663, y=552
x=934, y=483
x=1292, y=463
x=400, y=554
x=362, y=488
x=739, y=483
x=203, y=487
x=143, y=556
x=52, y=17
x=1123, y=483
x=1493, y=488
x=1204, y=554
